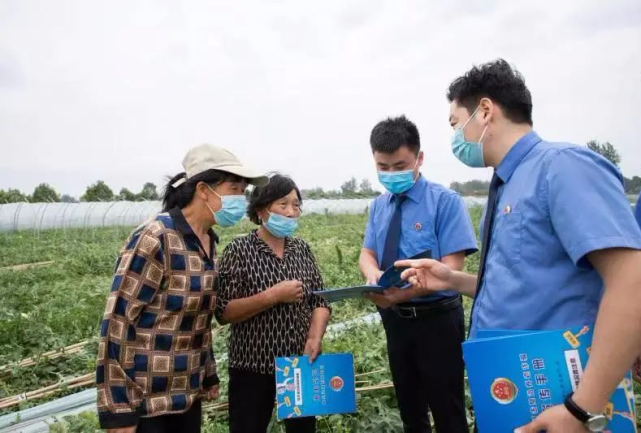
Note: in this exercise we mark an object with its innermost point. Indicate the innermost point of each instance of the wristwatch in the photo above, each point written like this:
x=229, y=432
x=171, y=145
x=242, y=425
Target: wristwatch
x=593, y=422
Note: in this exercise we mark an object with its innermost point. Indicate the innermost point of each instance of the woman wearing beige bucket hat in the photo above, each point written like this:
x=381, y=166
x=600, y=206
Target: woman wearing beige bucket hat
x=155, y=358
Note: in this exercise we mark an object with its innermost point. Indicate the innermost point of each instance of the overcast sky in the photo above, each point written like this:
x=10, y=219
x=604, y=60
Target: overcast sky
x=119, y=90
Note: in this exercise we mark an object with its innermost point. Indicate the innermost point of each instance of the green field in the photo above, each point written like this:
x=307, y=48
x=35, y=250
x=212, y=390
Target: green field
x=60, y=304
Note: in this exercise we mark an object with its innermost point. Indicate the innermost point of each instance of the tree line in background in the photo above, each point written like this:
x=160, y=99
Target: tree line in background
x=99, y=191
x=349, y=189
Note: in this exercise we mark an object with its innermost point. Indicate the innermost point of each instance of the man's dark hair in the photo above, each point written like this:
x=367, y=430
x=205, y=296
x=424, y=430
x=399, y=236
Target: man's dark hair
x=392, y=133
x=499, y=82
x=262, y=197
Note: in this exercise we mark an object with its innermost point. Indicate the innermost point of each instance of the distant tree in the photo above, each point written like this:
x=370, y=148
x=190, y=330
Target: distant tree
x=472, y=187
x=335, y=194
x=632, y=186
x=66, y=198
x=366, y=188
x=99, y=191
x=12, y=196
x=148, y=192
x=349, y=187
x=313, y=194
x=607, y=150
x=126, y=195
x=44, y=194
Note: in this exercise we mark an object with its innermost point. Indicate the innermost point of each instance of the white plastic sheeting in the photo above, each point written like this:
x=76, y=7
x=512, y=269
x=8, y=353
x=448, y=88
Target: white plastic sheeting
x=44, y=216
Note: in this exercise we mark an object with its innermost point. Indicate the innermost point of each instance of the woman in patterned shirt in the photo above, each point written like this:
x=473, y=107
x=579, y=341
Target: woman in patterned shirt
x=155, y=358
x=264, y=290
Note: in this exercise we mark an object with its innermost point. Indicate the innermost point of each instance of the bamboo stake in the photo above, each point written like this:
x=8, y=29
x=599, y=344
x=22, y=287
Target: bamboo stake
x=384, y=385
x=25, y=266
x=382, y=370
x=83, y=378
x=51, y=355
x=76, y=382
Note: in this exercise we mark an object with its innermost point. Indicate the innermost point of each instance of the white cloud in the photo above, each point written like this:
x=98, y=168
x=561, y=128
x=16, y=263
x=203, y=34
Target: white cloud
x=120, y=90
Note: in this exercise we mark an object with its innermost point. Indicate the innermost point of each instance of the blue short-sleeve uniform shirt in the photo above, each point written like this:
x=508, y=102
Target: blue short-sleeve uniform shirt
x=558, y=203
x=433, y=217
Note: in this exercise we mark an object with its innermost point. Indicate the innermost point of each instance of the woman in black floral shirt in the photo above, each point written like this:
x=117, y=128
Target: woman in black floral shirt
x=264, y=289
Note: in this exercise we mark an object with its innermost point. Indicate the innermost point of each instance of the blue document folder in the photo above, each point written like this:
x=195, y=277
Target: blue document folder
x=323, y=388
x=516, y=375
x=390, y=278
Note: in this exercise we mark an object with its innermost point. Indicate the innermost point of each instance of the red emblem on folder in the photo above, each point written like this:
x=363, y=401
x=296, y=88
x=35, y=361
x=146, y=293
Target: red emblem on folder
x=336, y=383
x=503, y=390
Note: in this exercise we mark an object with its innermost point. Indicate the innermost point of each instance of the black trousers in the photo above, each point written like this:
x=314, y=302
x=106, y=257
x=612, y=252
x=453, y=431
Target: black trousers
x=426, y=361
x=187, y=422
x=251, y=403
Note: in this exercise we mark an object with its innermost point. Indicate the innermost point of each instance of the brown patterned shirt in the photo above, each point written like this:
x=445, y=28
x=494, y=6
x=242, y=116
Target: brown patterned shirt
x=248, y=266
x=155, y=354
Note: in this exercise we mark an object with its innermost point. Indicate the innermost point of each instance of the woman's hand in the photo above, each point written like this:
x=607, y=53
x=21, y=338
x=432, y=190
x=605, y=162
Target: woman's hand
x=122, y=430
x=287, y=291
x=313, y=348
x=212, y=393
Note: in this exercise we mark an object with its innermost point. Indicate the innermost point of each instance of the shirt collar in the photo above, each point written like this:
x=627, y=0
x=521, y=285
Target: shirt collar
x=181, y=225
x=516, y=154
x=415, y=193
x=262, y=245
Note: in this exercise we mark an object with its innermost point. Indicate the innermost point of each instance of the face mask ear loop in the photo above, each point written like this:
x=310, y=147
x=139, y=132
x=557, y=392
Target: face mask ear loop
x=219, y=196
x=481, y=146
x=470, y=118
x=482, y=135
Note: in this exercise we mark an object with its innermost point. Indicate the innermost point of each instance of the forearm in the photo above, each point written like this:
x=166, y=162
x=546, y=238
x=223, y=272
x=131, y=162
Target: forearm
x=464, y=283
x=242, y=309
x=320, y=317
x=615, y=345
x=367, y=263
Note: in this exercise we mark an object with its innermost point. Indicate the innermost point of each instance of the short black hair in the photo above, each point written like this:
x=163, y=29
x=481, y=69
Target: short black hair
x=391, y=134
x=498, y=81
x=262, y=197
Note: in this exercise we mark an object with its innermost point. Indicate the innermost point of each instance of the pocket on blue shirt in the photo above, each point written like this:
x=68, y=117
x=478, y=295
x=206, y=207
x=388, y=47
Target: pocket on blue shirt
x=506, y=240
x=421, y=237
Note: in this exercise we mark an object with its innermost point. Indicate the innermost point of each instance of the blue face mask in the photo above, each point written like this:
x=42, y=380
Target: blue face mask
x=469, y=153
x=281, y=226
x=397, y=182
x=232, y=211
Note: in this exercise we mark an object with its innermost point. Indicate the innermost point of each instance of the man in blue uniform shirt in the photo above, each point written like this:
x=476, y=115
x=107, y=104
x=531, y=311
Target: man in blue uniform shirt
x=560, y=243
x=424, y=335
